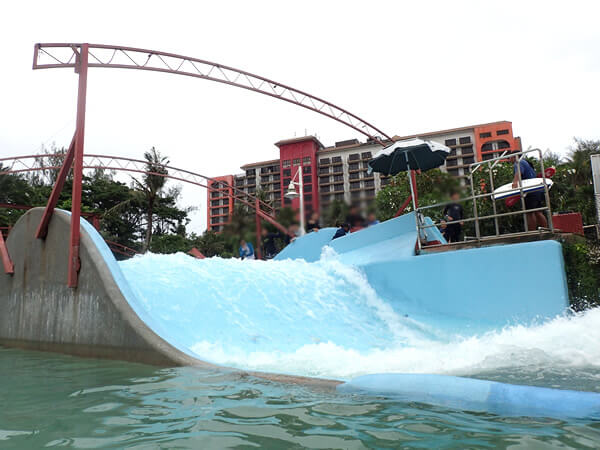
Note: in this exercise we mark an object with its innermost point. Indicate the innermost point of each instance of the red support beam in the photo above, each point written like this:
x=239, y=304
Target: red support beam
x=42, y=230
x=403, y=207
x=9, y=267
x=258, y=248
x=74, y=263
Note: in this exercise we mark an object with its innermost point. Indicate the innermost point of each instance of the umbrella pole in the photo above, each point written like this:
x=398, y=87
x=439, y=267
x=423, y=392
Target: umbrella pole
x=412, y=194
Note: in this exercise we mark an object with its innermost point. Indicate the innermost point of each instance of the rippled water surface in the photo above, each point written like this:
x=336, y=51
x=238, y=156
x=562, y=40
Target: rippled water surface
x=50, y=400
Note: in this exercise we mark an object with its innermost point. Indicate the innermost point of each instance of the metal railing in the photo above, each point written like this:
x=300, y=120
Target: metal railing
x=474, y=197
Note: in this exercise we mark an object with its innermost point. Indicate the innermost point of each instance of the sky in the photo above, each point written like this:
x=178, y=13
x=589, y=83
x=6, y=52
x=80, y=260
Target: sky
x=406, y=67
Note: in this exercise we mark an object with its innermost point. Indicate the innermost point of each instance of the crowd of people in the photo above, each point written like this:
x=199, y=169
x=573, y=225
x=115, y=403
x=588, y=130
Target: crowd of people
x=272, y=241
x=451, y=224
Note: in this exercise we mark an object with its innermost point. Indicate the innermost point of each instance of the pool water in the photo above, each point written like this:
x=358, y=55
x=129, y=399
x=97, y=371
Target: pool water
x=51, y=400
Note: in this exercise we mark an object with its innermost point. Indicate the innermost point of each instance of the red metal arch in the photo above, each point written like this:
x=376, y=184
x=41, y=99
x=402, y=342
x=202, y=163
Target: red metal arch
x=78, y=56
x=48, y=56
x=30, y=163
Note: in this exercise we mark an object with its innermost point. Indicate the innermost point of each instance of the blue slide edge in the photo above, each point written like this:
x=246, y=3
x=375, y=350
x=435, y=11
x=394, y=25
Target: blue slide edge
x=479, y=395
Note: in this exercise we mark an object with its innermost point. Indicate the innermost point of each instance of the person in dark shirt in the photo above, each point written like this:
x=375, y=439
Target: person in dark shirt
x=269, y=243
x=533, y=200
x=354, y=219
x=313, y=223
x=341, y=231
x=453, y=211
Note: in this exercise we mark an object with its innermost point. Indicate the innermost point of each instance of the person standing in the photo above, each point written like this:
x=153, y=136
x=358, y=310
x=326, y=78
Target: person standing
x=452, y=212
x=341, y=231
x=534, y=199
x=313, y=223
x=246, y=250
x=372, y=220
x=269, y=242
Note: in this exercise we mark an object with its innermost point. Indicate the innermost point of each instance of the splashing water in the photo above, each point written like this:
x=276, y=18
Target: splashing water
x=324, y=319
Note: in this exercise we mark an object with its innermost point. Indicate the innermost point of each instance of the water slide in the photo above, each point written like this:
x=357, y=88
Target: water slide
x=361, y=313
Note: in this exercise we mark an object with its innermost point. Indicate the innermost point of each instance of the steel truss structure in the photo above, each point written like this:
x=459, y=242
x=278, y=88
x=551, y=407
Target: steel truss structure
x=80, y=57
x=35, y=163
x=49, y=56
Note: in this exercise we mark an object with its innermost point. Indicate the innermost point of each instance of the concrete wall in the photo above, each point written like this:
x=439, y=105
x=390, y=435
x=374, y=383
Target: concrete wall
x=38, y=310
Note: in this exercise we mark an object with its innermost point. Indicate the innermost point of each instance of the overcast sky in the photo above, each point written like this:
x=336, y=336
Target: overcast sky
x=406, y=67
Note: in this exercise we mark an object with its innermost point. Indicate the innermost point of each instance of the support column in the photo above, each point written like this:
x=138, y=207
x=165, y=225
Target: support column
x=258, y=249
x=74, y=263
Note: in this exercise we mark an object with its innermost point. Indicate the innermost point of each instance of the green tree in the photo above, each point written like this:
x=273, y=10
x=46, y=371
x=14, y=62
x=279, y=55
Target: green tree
x=433, y=187
x=335, y=214
x=151, y=186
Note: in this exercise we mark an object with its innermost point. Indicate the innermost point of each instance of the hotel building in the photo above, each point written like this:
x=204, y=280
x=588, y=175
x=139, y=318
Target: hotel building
x=340, y=173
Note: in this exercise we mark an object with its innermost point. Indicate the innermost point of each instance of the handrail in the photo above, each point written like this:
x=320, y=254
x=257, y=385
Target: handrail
x=491, y=163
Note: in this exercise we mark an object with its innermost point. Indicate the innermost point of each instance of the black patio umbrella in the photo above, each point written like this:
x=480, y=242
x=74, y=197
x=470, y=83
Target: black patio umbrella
x=411, y=154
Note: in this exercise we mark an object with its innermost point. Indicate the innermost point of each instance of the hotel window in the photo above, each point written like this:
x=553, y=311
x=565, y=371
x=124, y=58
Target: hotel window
x=306, y=169
x=286, y=163
x=215, y=194
x=296, y=161
x=355, y=185
x=306, y=161
x=451, y=162
x=453, y=172
x=353, y=157
x=338, y=187
x=287, y=172
x=465, y=140
x=366, y=155
x=251, y=181
x=338, y=178
x=336, y=159
x=250, y=172
x=324, y=180
x=468, y=160
x=325, y=188
x=338, y=169
x=308, y=197
x=467, y=150
x=485, y=135
x=215, y=203
x=307, y=179
x=324, y=161
x=353, y=166
x=501, y=132
x=365, y=164
x=323, y=169
x=354, y=176
x=385, y=181
x=370, y=193
x=369, y=183
x=450, y=142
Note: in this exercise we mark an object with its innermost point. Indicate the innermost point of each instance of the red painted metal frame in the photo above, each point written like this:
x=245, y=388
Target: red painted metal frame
x=77, y=56
x=137, y=166
x=42, y=230
x=118, y=163
x=120, y=57
x=9, y=267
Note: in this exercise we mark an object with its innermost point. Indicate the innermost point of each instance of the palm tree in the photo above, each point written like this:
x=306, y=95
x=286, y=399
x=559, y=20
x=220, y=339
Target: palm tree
x=152, y=185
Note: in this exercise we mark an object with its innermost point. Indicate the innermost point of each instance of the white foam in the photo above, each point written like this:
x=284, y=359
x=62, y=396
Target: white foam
x=316, y=319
